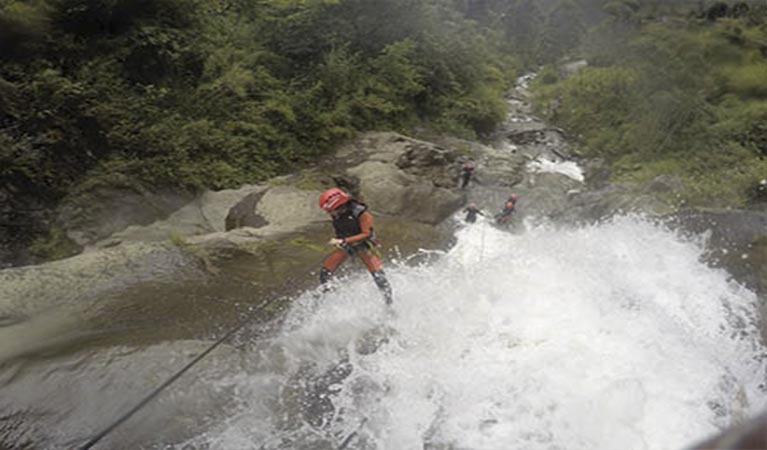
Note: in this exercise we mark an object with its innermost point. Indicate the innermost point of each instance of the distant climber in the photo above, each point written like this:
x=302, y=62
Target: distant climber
x=508, y=208
x=467, y=173
x=353, y=225
x=472, y=211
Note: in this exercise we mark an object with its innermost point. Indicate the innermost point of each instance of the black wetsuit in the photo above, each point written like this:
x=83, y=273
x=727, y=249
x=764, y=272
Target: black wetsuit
x=466, y=174
x=505, y=214
x=471, y=214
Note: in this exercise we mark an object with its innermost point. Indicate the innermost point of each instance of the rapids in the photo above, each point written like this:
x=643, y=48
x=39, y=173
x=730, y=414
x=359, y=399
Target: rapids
x=608, y=336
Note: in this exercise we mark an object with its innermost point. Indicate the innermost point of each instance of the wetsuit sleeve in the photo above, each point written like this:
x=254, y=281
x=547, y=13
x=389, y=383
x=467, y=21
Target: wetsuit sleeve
x=366, y=225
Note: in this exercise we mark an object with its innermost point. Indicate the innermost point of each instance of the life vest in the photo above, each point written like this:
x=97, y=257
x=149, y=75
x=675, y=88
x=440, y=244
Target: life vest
x=348, y=222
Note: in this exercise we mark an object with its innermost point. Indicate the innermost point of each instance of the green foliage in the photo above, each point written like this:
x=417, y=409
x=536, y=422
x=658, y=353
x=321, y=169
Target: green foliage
x=748, y=80
x=23, y=26
x=562, y=30
x=680, y=96
x=743, y=122
x=596, y=103
x=724, y=178
x=548, y=75
x=622, y=10
x=110, y=17
x=482, y=109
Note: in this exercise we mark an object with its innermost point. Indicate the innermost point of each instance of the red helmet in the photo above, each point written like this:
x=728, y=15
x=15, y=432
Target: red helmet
x=513, y=197
x=468, y=166
x=332, y=199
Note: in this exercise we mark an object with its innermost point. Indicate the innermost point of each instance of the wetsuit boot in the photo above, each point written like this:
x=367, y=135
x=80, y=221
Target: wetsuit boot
x=383, y=284
x=325, y=276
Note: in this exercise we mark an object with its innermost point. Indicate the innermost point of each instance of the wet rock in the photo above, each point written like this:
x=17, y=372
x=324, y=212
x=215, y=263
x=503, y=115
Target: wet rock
x=94, y=212
x=572, y=68
x=665, y=184
x=102, y=385
x=597, y=172
x=499, y=168
x=205, y=214
x=391, y=191
x=526, y=137
x=348, y=183
x=421, y=154
x=749, y=435
x=243, y=214
x=286, y=209
x=726, y=227
x=80, y=281
x=612, y=199
x=737, y=241
x=545, y=194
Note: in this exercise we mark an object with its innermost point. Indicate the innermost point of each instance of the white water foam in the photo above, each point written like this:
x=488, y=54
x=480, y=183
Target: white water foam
x=567, y=168
x=603, y=337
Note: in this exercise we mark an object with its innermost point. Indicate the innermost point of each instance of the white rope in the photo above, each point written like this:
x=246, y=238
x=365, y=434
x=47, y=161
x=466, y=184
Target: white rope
x=482, y=241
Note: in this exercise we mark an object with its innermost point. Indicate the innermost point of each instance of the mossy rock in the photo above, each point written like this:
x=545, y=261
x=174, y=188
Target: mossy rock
x=55, y=245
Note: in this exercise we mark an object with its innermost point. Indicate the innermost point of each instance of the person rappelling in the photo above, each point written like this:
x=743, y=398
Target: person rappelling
x=467, y=172
x=353, y=225
x=472, y=211
x=508, y=208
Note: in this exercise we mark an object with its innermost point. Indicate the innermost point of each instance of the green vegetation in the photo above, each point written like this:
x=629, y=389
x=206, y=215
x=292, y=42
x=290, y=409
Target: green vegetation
x=670, y=91
x=218, y=93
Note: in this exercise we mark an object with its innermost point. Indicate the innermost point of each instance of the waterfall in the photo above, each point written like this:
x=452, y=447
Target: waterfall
x=614, y=335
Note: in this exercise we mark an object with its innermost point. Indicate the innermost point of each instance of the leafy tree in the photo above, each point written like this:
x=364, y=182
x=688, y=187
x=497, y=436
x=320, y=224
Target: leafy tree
x=562, y=32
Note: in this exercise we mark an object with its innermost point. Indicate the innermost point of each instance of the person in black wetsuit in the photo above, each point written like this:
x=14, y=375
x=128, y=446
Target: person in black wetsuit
x=467, y=171
x=508, y=208
x=472, y=211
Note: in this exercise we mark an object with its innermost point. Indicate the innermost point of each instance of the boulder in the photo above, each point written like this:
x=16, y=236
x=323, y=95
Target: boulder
x=244, y=214
x=205, y=214
x=391, y=191
x=616, y=198
x=98, y=210
x=597, y=172
x=394, y=174
x=737, y=241
x=573, y=67
x=288, y=209
x=82, y=280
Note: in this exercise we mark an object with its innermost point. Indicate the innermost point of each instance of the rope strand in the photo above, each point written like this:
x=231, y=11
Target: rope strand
x=155, y=392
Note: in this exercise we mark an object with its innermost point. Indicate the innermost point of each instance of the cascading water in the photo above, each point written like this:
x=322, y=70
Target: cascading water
x=608, y=336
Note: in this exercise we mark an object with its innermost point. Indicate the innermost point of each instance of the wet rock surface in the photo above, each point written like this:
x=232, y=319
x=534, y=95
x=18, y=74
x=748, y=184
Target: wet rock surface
x=96, y=213
x=737, y=241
